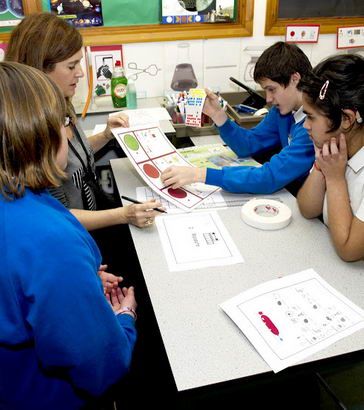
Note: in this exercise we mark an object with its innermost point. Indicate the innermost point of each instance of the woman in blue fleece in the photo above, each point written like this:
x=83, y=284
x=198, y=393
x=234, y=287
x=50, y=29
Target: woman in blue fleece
x=62, y=343
x=278, y=71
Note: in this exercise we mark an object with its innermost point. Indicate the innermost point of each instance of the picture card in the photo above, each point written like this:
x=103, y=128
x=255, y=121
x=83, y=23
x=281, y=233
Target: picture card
x=150, y=152
x=308, y=33
x=291, y=318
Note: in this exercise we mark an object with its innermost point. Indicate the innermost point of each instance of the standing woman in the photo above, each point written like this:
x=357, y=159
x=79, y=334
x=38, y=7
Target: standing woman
x=46, y=42
x=62, y=342
x=333, y=100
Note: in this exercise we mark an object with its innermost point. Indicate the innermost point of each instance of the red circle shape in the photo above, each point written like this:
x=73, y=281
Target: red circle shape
x=151, y=171
x=177, y=193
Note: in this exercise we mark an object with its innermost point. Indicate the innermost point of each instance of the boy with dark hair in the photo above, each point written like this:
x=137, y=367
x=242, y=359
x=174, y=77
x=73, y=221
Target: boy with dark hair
x=278, y=71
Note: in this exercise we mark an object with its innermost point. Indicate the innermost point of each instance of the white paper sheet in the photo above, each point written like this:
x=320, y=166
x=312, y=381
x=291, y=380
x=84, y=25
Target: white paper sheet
x=139, y=117
x=150, y=152
x=142, y=116
x=290, y=318
x=198, y=240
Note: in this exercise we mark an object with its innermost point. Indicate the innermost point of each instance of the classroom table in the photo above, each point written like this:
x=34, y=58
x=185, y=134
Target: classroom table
x=203, y=345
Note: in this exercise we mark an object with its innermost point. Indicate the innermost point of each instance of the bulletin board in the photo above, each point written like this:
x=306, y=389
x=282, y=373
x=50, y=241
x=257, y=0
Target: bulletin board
x=13, y=11
x=128, y=21
x=135, y=21
x=328, y=13
x=126, y=12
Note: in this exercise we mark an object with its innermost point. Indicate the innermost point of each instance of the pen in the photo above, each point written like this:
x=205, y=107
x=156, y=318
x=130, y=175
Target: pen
x=137, y=202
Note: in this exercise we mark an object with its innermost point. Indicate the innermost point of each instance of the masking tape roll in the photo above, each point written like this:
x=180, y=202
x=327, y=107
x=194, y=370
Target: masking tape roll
x=266, y=214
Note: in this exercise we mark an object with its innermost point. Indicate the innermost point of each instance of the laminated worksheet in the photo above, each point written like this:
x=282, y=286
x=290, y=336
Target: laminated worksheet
x=196, y=240
x=150, y=152
x=214, y=201
x=144, y=193
x=290, y=318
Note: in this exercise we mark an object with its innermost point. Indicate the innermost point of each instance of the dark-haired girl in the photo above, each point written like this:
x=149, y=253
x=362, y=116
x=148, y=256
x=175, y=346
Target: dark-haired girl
x=333, y=100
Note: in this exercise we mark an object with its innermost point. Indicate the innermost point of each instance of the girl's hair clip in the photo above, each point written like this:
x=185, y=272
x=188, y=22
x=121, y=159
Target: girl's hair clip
x=359, y=119
x=323, y=90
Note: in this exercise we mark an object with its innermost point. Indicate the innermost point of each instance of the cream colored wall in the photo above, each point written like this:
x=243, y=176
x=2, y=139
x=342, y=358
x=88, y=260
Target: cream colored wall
x=213, y=60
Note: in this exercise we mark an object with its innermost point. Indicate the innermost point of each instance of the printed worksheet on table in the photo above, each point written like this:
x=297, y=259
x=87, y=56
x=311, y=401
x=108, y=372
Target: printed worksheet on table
x=150, y=152
x=290, y=318
x=196, y=241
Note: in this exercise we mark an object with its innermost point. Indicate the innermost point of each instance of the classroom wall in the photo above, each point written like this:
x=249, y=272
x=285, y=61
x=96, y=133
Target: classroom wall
x=213, y=60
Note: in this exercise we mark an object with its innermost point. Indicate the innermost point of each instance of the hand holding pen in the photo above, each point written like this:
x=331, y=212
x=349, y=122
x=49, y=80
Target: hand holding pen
x=134, y=201
x=142, y=214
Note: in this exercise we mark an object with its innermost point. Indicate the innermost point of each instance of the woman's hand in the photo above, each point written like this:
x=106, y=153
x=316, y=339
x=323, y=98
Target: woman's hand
x=122, y=298
x=141, y=215
x=333, y=158
x=114, y=121
x=177, y=176
x=109, y=281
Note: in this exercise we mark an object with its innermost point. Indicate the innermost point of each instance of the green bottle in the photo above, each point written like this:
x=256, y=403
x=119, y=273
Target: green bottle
x=118, y=86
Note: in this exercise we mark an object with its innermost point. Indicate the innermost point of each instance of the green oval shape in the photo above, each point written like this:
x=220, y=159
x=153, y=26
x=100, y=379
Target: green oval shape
x=131, y=142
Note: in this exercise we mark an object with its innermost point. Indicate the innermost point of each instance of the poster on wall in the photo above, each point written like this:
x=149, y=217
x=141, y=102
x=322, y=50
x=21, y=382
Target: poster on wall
x=80, y=13
x=197, y=11
x=11, y=11
x=103, y=62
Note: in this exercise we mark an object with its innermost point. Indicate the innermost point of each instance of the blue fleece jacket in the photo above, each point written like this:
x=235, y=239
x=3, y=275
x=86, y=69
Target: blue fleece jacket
x=293, y=161
x=60, y=342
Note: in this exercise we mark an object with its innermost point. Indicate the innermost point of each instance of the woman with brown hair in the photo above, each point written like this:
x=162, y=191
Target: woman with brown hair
x=46, y=42
x=62, y=342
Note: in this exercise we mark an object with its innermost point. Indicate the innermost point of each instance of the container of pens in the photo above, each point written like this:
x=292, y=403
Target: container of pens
x=175, y=104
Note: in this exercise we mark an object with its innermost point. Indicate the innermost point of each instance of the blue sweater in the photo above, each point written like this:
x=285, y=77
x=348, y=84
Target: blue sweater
x=60, y=342
x=291, y=163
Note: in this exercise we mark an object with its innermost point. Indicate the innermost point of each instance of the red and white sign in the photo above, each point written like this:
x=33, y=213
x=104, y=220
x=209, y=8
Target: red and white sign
x=350, y=37
x=308, y=33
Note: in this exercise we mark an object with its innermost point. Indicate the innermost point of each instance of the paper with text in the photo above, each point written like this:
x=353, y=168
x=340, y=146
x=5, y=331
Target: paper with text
x=198, y=240
x=290, y=318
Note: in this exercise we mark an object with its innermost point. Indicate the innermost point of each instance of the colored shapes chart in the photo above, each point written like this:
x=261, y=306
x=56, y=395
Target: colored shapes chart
x=151, y=170
x=131, y=142
x=151, y=153
x=177, y=193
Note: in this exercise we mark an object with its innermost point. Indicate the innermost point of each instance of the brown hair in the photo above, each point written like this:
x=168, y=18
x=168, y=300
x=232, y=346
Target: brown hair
x=280, y=61
x=32, y=111
x=41, y=40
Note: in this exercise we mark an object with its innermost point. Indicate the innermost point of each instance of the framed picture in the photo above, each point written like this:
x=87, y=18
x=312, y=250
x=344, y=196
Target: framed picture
x=80, y=13
x=305, y=33
x=11, y=12
x=197, y=11
x=103, y=62
x=350, y=37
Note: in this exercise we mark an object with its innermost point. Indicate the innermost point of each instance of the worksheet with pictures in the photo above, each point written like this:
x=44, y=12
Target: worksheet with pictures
x=150, y=152
x=290, y=318
x=196, y=240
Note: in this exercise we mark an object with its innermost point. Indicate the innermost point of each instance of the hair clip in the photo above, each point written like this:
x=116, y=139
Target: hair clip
x=323, y=90
x=359, y=119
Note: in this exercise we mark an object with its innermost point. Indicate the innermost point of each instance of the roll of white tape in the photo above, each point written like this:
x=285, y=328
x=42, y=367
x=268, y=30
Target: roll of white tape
x=266, y=214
